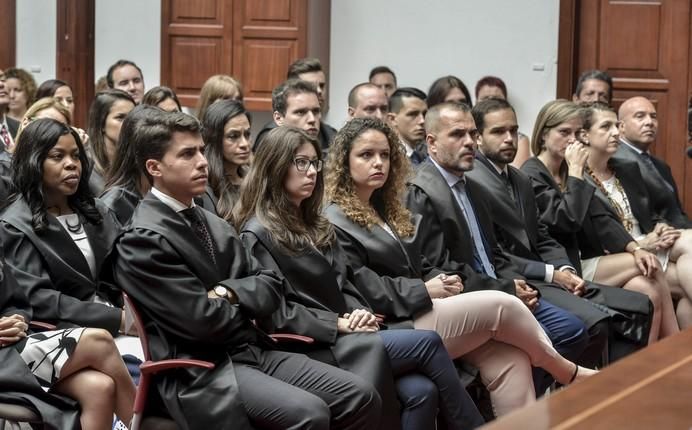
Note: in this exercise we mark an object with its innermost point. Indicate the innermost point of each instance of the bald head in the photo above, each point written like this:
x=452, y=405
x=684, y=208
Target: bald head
x=367, y=100
x=638, y=122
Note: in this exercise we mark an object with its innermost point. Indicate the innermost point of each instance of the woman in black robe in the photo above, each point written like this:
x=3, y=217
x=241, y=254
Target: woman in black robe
x=366, y=179
x=279, y=209
x=621, y=188
x=56, y=236
x=582, y=223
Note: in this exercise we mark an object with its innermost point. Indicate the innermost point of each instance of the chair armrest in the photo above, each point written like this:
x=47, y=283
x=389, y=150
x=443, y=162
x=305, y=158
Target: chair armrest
x=284, y=337
x=43, y=326
x=152, y=367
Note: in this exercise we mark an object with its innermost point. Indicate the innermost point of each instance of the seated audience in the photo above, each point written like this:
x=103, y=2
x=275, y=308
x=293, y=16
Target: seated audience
x=448, y=89
x=407, y=108
x=494, y=87
x=367, y=100
x=126, y=185
x=582, y=223
x=492, y=330
x=594, y=86
x=526, y=239
x=218, y=87
x=620, y=186
x=383, y=77
x=126, y=76
x=59, y=90
x=638, y=131
x=106, y=115
x=226, y=134
x=282, y=226
x=21, y=87
x=198, y=290
x=56, y=236
x=79, y=363
x=163, y=98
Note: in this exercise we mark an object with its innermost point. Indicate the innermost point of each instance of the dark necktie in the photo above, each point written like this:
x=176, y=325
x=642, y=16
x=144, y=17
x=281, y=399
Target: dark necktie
x=508, y=186
x=201, y=231
x=5, y=136
x=652, y=167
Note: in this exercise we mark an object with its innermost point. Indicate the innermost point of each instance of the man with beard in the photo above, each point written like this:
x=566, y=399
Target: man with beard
x=407, y=109
x=526, y=240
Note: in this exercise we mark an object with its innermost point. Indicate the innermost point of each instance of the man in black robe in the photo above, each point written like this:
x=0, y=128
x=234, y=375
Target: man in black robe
x=197, y=290
x=526, y=239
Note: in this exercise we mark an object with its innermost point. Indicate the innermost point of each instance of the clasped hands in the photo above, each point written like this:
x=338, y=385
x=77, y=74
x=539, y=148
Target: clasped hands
x=12, y=329
x=444, y=285
x=359, y=320
x=662, y=237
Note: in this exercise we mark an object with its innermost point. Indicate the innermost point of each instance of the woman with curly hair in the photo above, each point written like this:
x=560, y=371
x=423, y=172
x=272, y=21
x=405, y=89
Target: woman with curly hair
x=226, y=134
x=22, y=89
x=283, y=227
x=494, y=331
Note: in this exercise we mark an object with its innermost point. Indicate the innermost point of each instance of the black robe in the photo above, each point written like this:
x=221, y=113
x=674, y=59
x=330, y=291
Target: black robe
x=54, y=273
x=164, y=268
x=17, y=384
x=320, y=289
x=121, y=202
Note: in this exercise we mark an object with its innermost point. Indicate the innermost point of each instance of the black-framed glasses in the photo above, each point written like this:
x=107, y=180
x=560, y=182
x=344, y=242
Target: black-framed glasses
x=303, y=164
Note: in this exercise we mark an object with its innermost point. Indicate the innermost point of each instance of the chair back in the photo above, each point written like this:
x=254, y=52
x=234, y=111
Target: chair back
x=144, y=340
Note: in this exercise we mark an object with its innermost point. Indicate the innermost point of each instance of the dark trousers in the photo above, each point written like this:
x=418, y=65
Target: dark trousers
x=291, y=391
x=426, y=380
x=567, y=333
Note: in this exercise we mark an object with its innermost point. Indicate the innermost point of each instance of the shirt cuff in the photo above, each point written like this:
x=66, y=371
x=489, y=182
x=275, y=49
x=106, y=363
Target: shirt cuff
x=567, y=267
x=549, y=269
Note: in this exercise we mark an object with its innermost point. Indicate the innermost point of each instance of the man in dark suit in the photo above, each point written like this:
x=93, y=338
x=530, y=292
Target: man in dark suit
x=638, y=129
x=525, y=238
x=8, y=126
x=407, y=108
x=457, y=220
x=198, y=290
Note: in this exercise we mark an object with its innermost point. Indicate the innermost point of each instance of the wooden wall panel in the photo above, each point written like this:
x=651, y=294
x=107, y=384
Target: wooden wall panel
x=645, y=45
x=8, y=33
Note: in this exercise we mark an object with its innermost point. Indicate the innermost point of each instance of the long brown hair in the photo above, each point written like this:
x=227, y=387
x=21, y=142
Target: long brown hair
x=263, y=195
x=388, y=200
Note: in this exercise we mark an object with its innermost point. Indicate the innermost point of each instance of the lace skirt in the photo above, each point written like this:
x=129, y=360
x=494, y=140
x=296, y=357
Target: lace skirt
x=47, y=352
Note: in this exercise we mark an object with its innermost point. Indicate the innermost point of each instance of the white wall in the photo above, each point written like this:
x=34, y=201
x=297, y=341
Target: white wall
x=131, y=30
x=36, y=32
x=424, y=40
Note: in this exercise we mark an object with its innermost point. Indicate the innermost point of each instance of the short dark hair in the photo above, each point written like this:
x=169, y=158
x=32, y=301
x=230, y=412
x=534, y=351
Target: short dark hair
x=158, y=94
x=352, y=95
x=432, y=117
x=118, y=64
x=303, y=65
x=288, y=88
x=484, y=107
x=49, y=87
x=33, y=145
x=599, y=75
x=152, y=137
x=381, y=69
x=442, y=86
x=491, y=81
x=396, y=101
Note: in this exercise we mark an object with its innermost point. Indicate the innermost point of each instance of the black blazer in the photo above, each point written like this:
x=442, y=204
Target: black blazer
x=578, y=220
x=443, y=234
x=664, y=203
x=12, y=126
x=164, y=268
x=517, y=225
x=121, y=202
x=54, y=273
x=17, y=384
x=390, y=274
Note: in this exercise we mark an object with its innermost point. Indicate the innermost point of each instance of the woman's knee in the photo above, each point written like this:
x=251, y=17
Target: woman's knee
x=647, y=286
x=95, y=388
x=97, y=342
x=510, y=366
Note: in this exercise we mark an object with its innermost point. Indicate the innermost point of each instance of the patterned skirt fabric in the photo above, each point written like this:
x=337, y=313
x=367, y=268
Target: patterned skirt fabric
x=47, y=352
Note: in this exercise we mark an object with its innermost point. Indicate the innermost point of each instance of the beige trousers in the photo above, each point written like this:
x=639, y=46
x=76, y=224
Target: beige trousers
x=498, y=334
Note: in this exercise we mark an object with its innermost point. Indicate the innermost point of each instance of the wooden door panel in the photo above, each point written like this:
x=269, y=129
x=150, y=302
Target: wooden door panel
x=264, y=67
x=200, y=12
x=270, y=12
x=627, y=51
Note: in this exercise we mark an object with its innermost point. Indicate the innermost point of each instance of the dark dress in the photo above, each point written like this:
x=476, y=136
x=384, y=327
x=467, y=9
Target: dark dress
x=53, y=272
x=121, y=202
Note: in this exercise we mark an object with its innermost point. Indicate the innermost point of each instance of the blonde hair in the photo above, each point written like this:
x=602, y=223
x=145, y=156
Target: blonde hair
x=41, y=105
x=388, y=200
x=551, y=115
x=217, y=87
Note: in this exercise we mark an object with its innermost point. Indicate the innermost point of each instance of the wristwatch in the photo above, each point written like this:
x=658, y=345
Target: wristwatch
x=224, y=293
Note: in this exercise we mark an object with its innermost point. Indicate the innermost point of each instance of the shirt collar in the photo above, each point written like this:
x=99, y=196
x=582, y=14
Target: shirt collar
x=450, y=178
x=407, y=148
x=637, y=150
x=170, y=201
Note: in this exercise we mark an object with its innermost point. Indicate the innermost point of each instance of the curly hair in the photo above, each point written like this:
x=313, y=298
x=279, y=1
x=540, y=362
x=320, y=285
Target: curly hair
x=386, y=202
x=262, y=194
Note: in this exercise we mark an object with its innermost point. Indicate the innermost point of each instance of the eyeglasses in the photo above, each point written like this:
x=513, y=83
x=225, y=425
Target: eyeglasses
x=303, y=164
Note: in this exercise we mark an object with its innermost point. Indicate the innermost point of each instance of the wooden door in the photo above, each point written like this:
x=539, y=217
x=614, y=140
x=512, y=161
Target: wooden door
x=196, y=43
x=8, y=33
x=645, y=45
x=75, y=53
